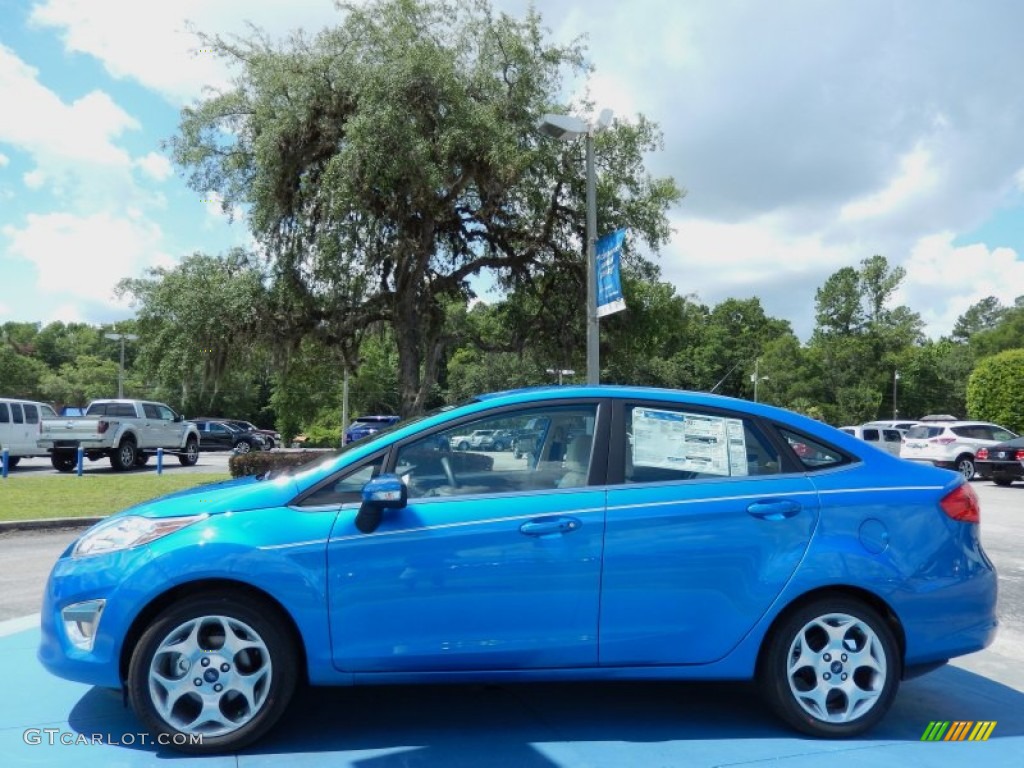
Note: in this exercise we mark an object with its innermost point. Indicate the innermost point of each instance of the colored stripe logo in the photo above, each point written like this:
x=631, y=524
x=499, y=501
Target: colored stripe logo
x=958, y=730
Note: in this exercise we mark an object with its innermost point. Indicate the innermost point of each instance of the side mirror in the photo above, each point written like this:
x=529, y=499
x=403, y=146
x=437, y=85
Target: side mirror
x=384, y=492
x=178, y=417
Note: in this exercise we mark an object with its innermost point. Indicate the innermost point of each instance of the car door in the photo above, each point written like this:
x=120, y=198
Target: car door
x=704, y=531
x=491, y=565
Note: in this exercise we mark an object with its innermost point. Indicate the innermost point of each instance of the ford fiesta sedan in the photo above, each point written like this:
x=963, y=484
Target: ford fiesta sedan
x=644, y=534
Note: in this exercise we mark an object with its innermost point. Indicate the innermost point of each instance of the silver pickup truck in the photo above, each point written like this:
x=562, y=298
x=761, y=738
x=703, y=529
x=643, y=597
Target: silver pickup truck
x=126, y=431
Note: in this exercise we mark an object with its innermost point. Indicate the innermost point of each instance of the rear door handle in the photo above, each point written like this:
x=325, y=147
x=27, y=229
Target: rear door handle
x=549, y=527
x=774, y=510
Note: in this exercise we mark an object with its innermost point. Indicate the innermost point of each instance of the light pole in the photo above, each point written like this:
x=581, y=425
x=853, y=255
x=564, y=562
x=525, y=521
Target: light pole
x=568, y=128
x=120, y=374
x=755, y=377
x=561, y=372
x=895, y=381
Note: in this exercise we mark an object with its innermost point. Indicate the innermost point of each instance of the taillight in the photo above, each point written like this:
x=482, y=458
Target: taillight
x=982, y=453
x=962, y=504
x=942, y=440
x=101, y=427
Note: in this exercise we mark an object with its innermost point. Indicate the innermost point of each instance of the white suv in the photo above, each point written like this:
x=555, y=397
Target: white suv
x=951, y=444
x=887, y=439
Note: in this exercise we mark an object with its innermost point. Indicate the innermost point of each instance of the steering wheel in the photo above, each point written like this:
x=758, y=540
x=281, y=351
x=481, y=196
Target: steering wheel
x=449, y=473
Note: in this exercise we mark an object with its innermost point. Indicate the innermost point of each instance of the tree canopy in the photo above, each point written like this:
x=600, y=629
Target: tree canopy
x=385, y=161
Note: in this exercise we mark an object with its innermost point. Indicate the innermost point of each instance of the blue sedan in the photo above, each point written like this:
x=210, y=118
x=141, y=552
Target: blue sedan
x=644, y=534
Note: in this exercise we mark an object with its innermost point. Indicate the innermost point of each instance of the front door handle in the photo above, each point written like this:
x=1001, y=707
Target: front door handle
x=774, y=510
x=549, y=527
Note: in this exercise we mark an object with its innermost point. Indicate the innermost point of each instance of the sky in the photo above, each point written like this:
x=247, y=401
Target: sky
x=808, y=134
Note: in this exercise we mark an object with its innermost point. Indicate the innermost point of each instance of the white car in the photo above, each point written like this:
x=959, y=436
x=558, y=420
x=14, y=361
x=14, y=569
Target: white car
x=951, y=444
x=19, y=428
x=885, y=438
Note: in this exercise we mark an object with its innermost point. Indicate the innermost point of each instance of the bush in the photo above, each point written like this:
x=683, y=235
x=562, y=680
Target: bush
x=258, y=462
x=994, y=391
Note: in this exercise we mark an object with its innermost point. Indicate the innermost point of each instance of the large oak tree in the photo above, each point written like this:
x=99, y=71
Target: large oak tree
x=384, y=162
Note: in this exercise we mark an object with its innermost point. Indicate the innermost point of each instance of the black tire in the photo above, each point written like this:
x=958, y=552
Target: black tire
x=191, y=454
x=63, y=462
x=463, y=446
x=499, y=446
x=141, y=459
x=264, y=663
x=12, y=461
x=242, y=447
x=124, y=457
x=965, y=466
x=815, y=697
x=1003, y=480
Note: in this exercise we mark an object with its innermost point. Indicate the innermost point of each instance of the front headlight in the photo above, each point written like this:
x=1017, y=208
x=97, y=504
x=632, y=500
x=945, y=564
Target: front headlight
x=127, y=532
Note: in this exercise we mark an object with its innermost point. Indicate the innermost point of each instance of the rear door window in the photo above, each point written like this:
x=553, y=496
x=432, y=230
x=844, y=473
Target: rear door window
x=31, y=414
x=5, y=415
x=16, y=415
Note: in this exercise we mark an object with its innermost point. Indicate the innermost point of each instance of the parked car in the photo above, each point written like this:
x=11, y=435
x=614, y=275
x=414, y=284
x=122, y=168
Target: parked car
x=903, y=425
x=19, y=428
x=951, y=444
x=271, y=437
x=650, y=534
x=364, y=426
x=883, y=438
x=1003, y=462
x=224, y=436
x=481, y=439
x=127, y=432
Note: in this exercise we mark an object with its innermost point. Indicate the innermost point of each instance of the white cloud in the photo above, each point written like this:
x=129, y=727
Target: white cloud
x=5, y=310
x=152, y=44
x=65, y=313
x=84, y=256
x=34, y=179
x=155, y=165
x=4, y=160
x=916, y=177
x=44, y=125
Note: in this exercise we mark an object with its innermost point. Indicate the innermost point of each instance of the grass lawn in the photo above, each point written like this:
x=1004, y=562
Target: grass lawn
x=41, y=498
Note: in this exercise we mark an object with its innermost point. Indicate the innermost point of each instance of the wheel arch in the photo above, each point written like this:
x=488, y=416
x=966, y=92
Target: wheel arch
x=214, y=587
x=839, y=590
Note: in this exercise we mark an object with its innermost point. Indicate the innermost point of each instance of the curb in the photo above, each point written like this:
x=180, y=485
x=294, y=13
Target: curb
x=9, y=526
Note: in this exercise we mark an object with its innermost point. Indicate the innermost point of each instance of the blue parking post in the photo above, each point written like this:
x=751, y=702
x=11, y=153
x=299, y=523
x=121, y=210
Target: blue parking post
x=81, y=460
x=6, y=458
x=159, y=461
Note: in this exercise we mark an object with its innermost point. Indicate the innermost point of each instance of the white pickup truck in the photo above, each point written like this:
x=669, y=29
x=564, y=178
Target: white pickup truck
x=126, y=431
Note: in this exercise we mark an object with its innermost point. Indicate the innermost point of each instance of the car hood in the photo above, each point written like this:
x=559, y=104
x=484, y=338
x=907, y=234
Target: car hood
x=228, y=496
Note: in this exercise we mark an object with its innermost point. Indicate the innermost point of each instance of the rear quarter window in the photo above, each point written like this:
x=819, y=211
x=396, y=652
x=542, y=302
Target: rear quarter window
x=923, y=432
x=814, y=454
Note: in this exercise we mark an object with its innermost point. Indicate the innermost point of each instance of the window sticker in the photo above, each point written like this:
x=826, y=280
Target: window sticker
x=710, y=445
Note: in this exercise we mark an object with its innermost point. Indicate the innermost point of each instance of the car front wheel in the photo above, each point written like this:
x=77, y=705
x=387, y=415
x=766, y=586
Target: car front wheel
x=965, y=466
x=242, y=447
x=212, y=673
x=831, y=668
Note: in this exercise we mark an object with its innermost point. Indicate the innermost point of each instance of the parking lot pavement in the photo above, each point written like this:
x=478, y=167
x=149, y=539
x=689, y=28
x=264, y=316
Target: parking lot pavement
x=49, y=722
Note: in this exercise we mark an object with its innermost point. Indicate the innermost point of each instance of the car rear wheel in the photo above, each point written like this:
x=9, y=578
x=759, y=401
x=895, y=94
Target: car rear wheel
x=222, y=668
x=965, y=466
x=1003, y=480
x=831, y=668
x=124, y=457
x=12, y=461
x=63, y=462
x=191, y=454
x=141, y=459
x=463, y=446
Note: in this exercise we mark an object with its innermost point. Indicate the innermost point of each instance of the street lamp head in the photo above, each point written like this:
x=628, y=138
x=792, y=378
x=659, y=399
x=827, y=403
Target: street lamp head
x=120, y=336
x=565, y=127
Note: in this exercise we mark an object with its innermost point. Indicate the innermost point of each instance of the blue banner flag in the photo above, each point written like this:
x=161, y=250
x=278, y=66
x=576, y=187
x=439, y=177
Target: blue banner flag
x=609, y=284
